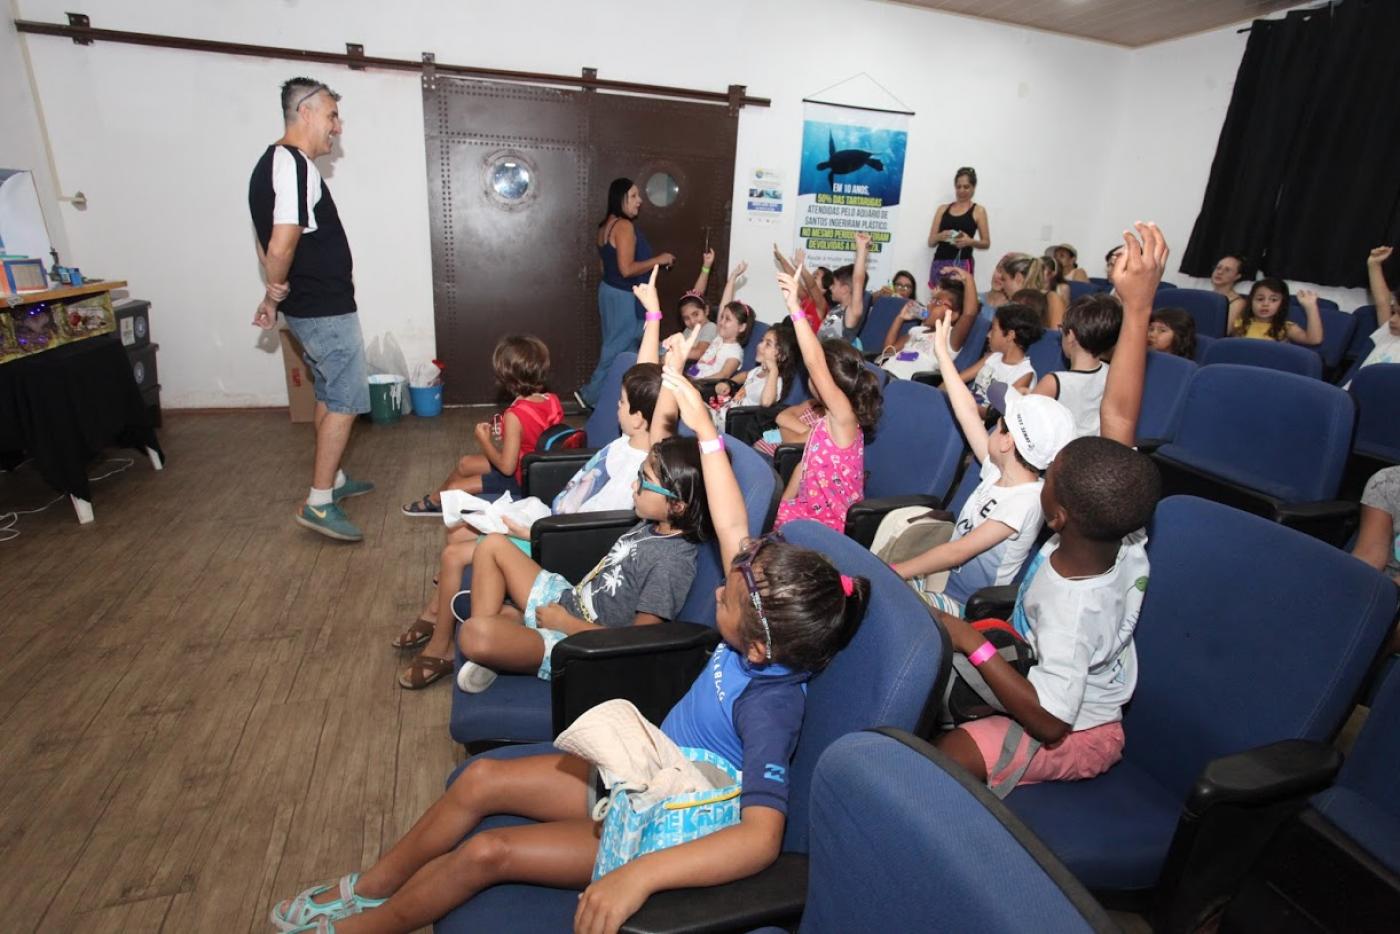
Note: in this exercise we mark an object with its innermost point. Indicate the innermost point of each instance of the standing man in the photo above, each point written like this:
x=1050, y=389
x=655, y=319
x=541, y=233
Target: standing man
x=306, y=260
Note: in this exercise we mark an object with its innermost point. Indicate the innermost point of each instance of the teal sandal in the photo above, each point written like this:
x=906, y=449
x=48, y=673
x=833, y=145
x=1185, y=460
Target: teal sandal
x=301, y=913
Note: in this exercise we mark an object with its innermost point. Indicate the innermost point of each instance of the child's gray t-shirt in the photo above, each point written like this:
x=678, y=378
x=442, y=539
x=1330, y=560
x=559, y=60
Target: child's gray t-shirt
x=643, y=572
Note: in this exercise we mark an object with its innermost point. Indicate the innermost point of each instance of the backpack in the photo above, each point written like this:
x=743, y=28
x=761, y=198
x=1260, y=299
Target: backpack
x=560, y=437
x=967, y=696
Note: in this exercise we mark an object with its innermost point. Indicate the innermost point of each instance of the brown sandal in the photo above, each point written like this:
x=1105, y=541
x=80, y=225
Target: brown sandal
x=423, y=671
x=418, y=634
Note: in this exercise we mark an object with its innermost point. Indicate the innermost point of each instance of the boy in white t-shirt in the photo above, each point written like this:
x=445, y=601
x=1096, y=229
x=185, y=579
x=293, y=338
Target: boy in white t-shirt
x=1014, y=328
x=998, y=524
x=1077, y=608
x=1089, y=332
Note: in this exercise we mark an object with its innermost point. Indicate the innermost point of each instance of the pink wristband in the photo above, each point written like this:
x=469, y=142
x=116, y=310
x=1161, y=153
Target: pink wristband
x=653, y=316
x=714, y=445
x=797, y=315
x=980, y=654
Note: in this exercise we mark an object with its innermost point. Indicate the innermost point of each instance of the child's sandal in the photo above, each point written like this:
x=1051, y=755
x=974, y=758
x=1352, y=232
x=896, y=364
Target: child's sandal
x=423, y=507
x=303, y=913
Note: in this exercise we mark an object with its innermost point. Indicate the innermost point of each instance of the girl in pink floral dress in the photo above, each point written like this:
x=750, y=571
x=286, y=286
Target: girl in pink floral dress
x=832, y=474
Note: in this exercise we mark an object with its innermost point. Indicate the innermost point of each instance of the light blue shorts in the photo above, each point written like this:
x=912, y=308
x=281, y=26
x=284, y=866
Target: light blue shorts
x=547, y=588
x=945, y=603
x=335, y=353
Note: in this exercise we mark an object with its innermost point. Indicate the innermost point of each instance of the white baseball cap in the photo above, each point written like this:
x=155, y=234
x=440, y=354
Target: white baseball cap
x=1040, y=427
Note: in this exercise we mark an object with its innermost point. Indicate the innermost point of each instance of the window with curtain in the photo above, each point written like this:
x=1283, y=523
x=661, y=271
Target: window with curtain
x=1306, y=177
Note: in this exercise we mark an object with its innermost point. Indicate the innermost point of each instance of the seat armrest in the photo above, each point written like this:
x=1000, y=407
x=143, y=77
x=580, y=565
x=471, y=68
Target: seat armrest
x=1148, y=445
x=1330, y=520
x=864, y=517
x=774, y=896
x=741, y=422
x=1286, y=769
x=991, y=603
x=929, y=378
x=571, y=545
x=652, y=666
x=547, y=472
x=786, y=458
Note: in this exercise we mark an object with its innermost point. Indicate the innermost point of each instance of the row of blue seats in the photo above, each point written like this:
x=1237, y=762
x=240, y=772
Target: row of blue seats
x=1273, y=671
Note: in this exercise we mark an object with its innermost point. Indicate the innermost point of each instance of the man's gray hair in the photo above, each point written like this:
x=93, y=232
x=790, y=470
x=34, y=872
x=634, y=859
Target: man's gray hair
x=298, y=91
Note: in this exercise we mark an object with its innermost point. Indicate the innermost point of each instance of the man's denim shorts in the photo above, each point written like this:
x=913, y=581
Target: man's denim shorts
x=335, y=354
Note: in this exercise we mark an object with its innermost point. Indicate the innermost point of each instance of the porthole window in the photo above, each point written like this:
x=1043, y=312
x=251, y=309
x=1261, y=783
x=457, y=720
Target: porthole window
x=510, y=180
x=662, y=189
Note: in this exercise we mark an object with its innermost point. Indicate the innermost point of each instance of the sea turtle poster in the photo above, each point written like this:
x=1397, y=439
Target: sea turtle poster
x=851, y=177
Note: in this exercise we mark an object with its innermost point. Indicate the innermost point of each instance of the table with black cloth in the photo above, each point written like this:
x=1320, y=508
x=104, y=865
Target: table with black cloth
x=62, y=407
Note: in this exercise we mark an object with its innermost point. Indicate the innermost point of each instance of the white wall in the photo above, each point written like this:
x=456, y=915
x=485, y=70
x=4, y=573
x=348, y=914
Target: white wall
x=162, y=141
x=22, y=140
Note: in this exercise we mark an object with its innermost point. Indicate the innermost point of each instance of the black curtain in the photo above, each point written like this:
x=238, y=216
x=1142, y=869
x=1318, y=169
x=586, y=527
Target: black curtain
x=1306, y=177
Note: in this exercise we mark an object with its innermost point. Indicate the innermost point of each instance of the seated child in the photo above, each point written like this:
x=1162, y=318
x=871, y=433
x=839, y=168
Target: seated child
x=1385, y=339
x=846, y=401
x=521, y=364
x=816, y=285
x=604, y=483
x=848, y=291
x=1173, y=331
x=1077, y=608
x=724, y=357
x=1014, y=328
x=764, y=385
x=1036, y=301
x=1265, y=315
x=913, y=352
x=644, y=578
x=783, y=613
x=998, y=524
x=695, y=311
x=1090, y=330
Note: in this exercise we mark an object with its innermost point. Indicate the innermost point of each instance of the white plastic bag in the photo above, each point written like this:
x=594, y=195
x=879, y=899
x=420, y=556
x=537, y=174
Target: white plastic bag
x=485, y=516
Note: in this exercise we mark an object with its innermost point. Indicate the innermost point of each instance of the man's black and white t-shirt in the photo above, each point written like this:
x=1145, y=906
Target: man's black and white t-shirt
x=286, y=188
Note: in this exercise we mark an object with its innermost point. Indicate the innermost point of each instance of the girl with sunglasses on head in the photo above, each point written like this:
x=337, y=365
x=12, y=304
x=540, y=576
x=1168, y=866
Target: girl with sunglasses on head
x=783, y=613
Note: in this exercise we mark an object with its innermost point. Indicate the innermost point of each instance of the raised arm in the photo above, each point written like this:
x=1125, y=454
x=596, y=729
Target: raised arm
x=663, y=417
x=1381, y=295
x=856, y=309
x=727, y=511
x=1310, y=336
x=707, y=262
x=732, y=285
x=1136, y=272
x=650, y=350
x=971, y=307
x=959, y=396
x=843, y=416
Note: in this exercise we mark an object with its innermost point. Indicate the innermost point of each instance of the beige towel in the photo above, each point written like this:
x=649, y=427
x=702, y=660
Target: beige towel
x=631, y=751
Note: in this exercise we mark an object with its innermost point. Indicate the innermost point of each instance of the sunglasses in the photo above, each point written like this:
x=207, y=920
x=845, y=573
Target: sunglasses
x=308, y=95
x=743, y=563
x=646, y=484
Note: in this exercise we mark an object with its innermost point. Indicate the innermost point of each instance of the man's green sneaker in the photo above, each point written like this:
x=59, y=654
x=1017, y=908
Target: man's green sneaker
x=351, y=488
x=330, y=521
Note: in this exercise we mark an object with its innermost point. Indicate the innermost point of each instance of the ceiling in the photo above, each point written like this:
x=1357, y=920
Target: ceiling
x=1129, y=23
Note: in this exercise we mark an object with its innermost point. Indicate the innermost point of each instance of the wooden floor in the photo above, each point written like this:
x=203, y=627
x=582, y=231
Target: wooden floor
x=198, y=706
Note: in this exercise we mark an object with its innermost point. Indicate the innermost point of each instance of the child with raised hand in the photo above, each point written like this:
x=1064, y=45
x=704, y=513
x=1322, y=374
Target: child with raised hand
x=764, y=385
x=1265, y=315
x=725, y=355
x=846, y=397
x=848, y=289
x=1090, y=330
x=1080, y=600
x=783, y=613
x=521, y=364
x=998, y=524
x=603, y=483
x=955, y=299
x=1385, y=339
x=816, y=297
x=1014, y=328
x=695, y=311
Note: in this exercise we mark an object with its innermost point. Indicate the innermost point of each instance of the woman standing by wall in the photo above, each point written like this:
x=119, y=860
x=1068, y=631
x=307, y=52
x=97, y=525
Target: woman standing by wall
x=627, y=261
x=958, y=228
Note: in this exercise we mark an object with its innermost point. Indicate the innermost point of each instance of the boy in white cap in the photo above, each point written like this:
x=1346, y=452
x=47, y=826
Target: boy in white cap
x=998, y=524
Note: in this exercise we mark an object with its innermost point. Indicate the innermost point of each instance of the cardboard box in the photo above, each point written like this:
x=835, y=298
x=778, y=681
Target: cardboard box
x=301, y=394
